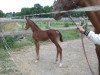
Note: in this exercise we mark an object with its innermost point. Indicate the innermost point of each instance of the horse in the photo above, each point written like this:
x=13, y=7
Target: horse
x=94, y=17
x=43, y=35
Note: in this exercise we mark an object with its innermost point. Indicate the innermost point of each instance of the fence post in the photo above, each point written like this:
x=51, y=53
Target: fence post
x=49, y=24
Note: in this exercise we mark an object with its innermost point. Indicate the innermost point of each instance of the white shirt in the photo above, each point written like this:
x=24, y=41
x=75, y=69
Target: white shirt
x=94, y=37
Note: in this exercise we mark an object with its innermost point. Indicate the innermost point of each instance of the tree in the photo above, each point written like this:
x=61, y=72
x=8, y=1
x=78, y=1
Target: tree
x=18, y=13
x=1, y=13
x=37, y=9
x=33, y=10
x=25, y=11
x=47, y=9
x=10, y=14
x=13, y=14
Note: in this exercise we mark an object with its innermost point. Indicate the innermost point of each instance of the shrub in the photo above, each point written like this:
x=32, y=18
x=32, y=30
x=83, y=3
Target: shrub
x=7, y=40
x=67, y=24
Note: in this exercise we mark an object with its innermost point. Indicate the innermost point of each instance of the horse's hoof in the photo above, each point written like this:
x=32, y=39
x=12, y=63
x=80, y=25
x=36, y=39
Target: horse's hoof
x=60, y=65
x=36, y=61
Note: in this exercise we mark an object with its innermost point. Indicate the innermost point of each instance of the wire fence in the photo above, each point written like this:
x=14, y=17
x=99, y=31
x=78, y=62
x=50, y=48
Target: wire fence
x=16, y=26
x=13, y=30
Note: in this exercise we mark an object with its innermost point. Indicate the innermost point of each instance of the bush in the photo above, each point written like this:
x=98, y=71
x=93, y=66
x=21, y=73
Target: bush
x=67, y=24
x=9, y=40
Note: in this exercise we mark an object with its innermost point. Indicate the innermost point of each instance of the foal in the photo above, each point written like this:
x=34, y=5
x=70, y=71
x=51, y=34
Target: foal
x=43, y=35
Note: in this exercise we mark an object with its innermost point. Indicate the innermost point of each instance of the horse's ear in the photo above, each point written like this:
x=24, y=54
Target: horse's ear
x=27, y=19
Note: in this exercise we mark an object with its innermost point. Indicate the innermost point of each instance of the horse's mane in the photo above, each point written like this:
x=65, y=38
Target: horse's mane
x=34, y=24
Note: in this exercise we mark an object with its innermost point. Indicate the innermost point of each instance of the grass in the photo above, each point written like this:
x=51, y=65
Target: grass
x=70, y=34
x=22, y=43
x=67, y=24
x=44, y=25
x=3, y=54
x=57, y=24
x=7, y=67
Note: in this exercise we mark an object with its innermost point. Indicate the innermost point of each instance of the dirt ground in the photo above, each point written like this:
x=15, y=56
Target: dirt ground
x=74, y=61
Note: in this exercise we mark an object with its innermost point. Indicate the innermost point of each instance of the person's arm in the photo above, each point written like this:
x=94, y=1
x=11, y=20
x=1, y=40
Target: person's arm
x=91, y=35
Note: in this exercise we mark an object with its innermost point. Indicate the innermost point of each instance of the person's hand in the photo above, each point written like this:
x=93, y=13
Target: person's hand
x=81, y=29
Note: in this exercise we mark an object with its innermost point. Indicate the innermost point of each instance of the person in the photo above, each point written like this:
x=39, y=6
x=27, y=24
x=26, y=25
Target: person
x=90, y=34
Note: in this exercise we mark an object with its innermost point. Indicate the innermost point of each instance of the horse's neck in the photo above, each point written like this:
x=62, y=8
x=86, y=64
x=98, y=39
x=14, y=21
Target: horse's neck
x=34, y=28
x=94, y=17
x=89, y=2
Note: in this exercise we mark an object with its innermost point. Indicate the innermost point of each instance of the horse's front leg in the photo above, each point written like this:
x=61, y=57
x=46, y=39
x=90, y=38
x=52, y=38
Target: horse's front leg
x=37, y=50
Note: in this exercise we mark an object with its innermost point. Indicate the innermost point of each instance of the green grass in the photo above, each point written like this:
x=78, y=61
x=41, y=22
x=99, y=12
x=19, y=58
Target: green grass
x=57, y=24
x=44, y=25
x=67, y=24
x=22, y=43
x=69, y=34
x=3, y=54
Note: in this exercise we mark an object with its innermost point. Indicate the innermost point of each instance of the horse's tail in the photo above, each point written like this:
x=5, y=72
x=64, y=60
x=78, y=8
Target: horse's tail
x=60, y=35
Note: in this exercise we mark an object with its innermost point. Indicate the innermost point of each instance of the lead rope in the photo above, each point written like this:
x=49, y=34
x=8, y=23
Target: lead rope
x=83, y=47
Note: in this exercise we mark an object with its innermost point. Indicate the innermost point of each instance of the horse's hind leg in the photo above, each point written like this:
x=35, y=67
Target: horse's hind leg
x=57, y=56
x=59, y=52
x=37, y=50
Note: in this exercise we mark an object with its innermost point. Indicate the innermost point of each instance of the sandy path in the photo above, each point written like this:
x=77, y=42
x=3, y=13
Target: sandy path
x=74, y=62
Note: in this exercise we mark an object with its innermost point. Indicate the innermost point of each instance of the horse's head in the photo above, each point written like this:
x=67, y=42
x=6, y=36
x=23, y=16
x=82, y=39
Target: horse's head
x=27, y=26
x=31, y=24
x=61, y=5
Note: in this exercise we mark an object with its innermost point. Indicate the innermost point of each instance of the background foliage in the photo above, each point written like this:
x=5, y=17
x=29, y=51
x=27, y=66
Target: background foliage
x=36, y=9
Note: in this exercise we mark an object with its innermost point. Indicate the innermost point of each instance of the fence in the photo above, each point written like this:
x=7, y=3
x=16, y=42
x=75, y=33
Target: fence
x=24, y=32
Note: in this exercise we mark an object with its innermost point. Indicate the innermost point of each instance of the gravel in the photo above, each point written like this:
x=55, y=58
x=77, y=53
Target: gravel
x=74, y=61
